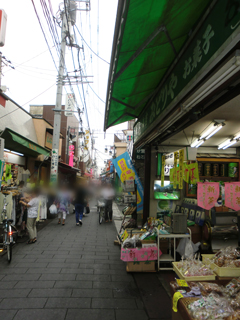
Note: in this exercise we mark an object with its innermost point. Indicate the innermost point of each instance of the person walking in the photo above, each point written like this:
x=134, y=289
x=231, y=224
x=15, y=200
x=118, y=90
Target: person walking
x=62, y=202
x=32, y=205
x=108, y=195
x=80, y=202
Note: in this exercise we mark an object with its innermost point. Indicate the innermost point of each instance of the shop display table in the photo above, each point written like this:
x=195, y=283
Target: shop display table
x=168, y=257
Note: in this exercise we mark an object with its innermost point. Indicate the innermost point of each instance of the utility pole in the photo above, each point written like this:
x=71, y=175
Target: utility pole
x=58, y=107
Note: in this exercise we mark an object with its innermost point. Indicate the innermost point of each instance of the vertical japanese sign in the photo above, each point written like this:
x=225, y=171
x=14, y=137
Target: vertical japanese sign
x=181, y=156
x=87, y=140
x=54, y=165
x=126, y=171
x=69, y=105
x=175, y=170
x=232, y=195
x=162, y=171
x=207, y=194
x=193, y=173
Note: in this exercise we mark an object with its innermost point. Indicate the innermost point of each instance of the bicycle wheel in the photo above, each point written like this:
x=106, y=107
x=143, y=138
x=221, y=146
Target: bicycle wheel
x=9, y=252
x=100, y=216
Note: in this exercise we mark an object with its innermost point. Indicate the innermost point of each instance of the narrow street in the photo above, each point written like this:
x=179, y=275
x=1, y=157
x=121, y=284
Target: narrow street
x=72, y=273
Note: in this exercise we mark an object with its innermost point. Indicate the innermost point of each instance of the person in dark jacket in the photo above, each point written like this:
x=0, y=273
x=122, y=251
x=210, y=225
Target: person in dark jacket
x=80, y=202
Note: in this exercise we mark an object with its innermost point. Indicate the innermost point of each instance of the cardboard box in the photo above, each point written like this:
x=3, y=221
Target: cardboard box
x=143, y=266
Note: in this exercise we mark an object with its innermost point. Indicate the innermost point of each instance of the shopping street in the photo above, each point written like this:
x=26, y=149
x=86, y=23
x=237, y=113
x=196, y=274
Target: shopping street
x=76, y=273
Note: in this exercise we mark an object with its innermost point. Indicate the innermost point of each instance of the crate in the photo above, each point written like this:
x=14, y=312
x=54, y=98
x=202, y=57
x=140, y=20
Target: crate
x=197, y=278
x=220, y=271
x=141, y=266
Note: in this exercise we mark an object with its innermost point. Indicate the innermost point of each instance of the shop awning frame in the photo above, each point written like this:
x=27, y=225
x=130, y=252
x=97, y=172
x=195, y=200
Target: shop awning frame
x=165, y=37
x=16, y=142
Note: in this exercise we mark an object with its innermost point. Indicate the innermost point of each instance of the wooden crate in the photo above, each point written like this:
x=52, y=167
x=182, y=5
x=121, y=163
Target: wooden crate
x=141, y=266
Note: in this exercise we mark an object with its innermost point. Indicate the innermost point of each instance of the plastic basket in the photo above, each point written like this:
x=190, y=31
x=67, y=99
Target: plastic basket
x=221, y=271
x=196, y=278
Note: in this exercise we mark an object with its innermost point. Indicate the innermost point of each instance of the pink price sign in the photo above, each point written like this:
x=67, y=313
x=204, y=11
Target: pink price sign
x=232, y=195
x=207, y=194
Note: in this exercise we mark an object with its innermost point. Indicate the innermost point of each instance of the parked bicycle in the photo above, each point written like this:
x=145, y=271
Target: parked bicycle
x=7, y=232
x=101, y=209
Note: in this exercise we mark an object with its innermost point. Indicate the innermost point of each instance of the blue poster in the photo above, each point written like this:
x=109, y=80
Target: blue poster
x=126, y=171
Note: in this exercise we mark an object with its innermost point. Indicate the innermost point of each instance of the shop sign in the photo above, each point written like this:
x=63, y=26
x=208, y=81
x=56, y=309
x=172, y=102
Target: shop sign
x=207, y=194
x=140, y=154
x=222, y=21
x=126, y=171
x=32, y=146
x=54, y=165
x=69, y=105
x=14, y=158
x=87, y=140
x=48, y=142
x=232, y=195
x=163, y=171
x=175, y=170
x=181, y=156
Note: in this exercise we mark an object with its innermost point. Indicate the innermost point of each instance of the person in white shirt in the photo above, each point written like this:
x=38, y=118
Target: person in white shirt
x=108, y=194
x=32, y=206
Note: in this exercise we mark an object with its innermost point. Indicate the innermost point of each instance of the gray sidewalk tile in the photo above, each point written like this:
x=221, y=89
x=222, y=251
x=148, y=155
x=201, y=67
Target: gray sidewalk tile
x=23, y=303
x=113, y=303
x=50, y=293
x=7, y=284
x=24, y=277
x=14, y=293
x=92, y=293
x=78, y=270
x=7, y=314
x=131, y=315
x=56, y=276
x=92, y=277
x=44, y=270
x=35, y=284
x=113, y=285
x=90, y=314
x=40, y=314
x=73, y=284
x=69, y=303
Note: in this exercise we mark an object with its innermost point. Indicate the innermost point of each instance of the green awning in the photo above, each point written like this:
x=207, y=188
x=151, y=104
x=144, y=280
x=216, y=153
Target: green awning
x=15, y=142
x=148, y=37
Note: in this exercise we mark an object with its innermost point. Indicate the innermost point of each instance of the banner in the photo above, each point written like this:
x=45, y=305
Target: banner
x=175, y=170
x=181, y=156
x=193, y=173
x=207, y=194
x=163, y=171
x=232, y=195
x=185, y=173
x=172, y=171
x=126, y=171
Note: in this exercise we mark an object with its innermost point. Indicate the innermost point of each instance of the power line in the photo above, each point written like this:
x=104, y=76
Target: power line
x=38, y=95
x=90, y=47
x=95, y=93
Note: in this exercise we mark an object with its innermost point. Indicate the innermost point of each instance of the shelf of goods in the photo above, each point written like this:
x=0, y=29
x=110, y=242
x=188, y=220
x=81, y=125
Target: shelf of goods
x=222, y=272
x=170, y=257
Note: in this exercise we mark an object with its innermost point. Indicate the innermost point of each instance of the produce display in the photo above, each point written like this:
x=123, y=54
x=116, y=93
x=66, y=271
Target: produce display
x=192, y=268
x=217, y=302
x=227, y=258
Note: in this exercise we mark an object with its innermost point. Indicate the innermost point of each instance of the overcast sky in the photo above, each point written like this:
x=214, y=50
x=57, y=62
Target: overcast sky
x=34, y=68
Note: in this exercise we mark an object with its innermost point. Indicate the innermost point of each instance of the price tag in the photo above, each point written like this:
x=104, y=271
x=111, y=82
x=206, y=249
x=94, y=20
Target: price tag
x=182, y=283
x=176, y=297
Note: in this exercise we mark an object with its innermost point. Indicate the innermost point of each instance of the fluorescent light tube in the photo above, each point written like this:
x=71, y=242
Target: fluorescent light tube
x=230, y=144
x=17, y=153
x=200, y=143
x=214, y=131
x=210, y=129
x=237, y=136
x=224, y=144
x=193, y=145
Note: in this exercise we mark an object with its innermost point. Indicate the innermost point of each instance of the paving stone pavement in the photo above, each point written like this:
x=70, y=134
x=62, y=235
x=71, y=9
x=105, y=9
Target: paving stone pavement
x=70, y=273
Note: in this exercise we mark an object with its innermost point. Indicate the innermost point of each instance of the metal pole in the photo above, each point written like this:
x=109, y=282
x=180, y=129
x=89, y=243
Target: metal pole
x=58, y=107
x=68, y=138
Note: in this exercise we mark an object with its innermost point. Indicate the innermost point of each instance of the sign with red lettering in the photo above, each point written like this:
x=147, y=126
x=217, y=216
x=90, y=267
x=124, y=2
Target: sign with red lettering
x=232, y=195
x=207, y=194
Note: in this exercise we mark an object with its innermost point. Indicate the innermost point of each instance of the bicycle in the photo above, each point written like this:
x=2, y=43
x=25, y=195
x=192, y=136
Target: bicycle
x=7, y=232
x=101, y=210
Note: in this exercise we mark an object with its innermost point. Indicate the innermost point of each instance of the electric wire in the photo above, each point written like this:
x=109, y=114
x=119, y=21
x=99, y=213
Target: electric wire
x=90, y=47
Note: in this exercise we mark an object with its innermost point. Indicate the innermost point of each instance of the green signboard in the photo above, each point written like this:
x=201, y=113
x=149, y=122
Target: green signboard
x=222, y=21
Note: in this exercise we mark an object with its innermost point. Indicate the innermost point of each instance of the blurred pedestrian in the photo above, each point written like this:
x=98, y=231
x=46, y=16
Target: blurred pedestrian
x=62, y=202
x=32, y=204
x=108, y=195
x=80, y=201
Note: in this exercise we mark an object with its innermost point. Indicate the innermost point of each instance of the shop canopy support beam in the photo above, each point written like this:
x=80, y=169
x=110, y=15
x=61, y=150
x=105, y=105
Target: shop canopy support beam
x=170, y=40
x=123, y=103
x=138, y=52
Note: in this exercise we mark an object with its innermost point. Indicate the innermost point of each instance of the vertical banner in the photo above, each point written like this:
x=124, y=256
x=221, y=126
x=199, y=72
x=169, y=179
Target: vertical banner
x=175, y=170
x=232, y=195
x=181, y=156
x=162, y=171
x=207, y=194
x=126, y=171
x=193, y=173
x=185, y=173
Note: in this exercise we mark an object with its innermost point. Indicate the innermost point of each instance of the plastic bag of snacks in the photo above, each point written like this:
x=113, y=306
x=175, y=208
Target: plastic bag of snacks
x=209, y=287
x=232, y=288
x=192, y=267
x=227, y=257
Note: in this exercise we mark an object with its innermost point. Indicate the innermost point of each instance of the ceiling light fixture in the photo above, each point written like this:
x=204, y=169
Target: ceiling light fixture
x=200, y=143
x=194, y=143
x=230, y=144
x=219, y=127
x=224, y=144
x=213, y=128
